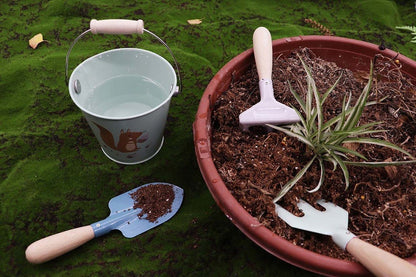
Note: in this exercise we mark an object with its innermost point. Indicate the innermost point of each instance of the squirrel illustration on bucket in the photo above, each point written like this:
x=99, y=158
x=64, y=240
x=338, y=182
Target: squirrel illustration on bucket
x=127, y=140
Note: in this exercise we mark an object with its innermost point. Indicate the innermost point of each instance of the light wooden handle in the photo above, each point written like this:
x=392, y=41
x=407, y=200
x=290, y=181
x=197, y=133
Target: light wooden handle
x=56, y=245
x=378, y=261
x=116, y=26
x=263, y=52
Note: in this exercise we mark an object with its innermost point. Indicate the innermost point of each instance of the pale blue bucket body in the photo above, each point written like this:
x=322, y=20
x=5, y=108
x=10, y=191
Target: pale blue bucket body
x=125, y=96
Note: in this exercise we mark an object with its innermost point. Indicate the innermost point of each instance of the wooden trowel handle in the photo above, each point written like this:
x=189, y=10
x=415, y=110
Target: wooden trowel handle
x=378, y=261
x=56, y=245
x=263, y=52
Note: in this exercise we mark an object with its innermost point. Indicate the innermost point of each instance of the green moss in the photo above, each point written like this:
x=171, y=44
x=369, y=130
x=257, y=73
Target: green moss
x=71, y=8
x=380, y=12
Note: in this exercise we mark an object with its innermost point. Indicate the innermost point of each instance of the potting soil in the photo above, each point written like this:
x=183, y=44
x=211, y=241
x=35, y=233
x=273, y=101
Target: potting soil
x=256, y=164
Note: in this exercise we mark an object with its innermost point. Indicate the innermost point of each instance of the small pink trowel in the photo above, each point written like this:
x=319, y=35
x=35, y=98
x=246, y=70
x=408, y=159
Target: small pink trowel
x=268, y=110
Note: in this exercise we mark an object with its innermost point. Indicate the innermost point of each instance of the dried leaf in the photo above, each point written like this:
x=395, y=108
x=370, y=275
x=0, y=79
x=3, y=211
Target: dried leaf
x=391, y=170
x=34, y=42
x=361, y=75
x=194, y=21
x=351, y=145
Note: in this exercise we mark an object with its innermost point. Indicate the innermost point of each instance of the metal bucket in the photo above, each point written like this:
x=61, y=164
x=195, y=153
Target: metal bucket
x=124, y=95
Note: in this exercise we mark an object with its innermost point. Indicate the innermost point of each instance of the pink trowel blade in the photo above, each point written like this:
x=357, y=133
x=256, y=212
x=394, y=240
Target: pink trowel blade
x=268, y=110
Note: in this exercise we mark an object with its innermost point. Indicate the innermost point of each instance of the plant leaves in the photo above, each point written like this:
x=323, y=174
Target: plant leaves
x=407, y=28
x=343, y=149
x=380, y=143
x=292, y=182
x=357, y=110
x=331, y=140
x=292, y=134
x=380, y=164
x=344, y=169
x=297, y=97
x=322, y=177
x=325, y=96
x=345, y=106
x=297, y=128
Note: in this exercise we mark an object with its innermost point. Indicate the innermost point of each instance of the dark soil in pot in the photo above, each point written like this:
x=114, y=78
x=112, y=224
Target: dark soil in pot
x=254, y=165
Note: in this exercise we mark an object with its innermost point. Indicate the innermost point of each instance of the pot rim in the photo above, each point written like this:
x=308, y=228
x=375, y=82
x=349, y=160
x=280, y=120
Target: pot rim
x=250, y=226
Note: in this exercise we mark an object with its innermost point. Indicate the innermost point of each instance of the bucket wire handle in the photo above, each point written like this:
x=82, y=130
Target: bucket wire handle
x=120, y=27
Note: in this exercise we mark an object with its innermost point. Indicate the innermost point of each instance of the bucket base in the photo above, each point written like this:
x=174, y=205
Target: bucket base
x=135, y=162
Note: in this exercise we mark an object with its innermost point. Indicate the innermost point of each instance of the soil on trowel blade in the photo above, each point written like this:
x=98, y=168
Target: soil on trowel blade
x=153, y=200
x=381, y=202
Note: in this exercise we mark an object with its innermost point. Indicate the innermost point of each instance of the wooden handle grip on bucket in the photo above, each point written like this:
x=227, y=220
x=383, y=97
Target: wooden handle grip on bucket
x=117, y=26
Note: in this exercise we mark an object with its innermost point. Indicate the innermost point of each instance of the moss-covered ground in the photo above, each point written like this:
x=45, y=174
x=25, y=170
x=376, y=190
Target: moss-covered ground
x=53, y=175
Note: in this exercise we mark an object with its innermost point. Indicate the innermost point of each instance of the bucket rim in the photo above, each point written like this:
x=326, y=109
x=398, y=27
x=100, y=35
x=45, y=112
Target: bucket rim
x=168, y=97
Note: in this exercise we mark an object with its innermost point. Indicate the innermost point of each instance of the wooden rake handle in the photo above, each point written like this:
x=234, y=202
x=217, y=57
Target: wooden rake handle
x=378, y=261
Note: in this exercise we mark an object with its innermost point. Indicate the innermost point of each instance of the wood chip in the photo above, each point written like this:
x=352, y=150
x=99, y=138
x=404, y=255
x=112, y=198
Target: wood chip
x=391, y=170
x=34, y=41
x=194, y=21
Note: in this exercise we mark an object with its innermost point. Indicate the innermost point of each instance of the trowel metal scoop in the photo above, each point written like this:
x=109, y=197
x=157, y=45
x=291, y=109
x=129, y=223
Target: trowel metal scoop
x=334, y=222
x=268, y=110
x=123, y=216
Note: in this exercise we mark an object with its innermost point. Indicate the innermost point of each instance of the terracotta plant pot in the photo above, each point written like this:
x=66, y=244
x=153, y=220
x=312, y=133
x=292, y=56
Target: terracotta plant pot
x=348, y=53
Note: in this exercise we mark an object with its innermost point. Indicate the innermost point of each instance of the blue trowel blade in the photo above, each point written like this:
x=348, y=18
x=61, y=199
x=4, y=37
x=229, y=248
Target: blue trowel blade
x=125, y=218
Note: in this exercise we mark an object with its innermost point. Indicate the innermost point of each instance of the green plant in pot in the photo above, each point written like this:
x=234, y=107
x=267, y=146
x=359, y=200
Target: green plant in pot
x=327, y=141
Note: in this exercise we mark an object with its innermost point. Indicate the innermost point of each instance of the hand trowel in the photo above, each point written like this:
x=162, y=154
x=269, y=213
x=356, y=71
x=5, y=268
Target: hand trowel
x=123, y=216
x=268, y=110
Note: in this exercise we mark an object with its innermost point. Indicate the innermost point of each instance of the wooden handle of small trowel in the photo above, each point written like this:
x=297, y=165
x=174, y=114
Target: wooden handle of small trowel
x=56, y=245
x=378, y=261
x=263, y=52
